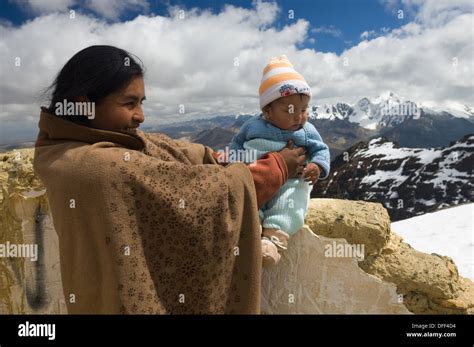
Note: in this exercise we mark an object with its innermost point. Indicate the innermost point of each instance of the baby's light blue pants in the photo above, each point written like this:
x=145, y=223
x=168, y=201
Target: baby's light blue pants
x=287, y=209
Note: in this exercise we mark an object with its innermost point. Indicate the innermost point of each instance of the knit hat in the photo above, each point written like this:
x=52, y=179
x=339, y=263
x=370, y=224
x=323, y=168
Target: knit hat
x=281, y=79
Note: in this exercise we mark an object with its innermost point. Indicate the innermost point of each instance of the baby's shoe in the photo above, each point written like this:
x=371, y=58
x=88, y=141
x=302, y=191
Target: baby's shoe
x=270, y=255
x=273, y=242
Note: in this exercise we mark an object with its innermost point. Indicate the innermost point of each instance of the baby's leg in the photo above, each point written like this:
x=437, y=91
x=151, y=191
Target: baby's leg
x=287, y=209
x=282, y=215
x=275, y=222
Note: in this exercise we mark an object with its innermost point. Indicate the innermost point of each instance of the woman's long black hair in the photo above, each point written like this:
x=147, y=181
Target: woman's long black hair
x=94, y=72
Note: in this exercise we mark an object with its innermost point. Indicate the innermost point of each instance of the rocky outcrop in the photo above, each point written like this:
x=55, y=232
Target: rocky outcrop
x=358, y=222
x=429, y=283
x=309, y=281
x=27, y=286
x=320, y=273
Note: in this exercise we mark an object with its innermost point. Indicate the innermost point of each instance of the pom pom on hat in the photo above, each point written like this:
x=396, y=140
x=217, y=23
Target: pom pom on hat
x=281, y=79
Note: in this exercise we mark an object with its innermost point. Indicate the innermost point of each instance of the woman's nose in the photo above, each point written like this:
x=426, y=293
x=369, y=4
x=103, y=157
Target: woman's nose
x=139, y=116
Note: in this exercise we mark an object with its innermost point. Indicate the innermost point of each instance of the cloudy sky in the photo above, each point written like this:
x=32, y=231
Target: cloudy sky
x=346, y=49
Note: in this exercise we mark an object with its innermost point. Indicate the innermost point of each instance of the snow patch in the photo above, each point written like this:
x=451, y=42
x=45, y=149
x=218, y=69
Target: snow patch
x=447, y=232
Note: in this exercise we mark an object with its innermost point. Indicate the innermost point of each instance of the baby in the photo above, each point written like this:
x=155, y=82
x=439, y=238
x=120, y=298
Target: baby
x=284, y=98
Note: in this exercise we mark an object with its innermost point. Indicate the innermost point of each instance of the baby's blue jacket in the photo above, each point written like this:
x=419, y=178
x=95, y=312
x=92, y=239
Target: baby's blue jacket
x=308, y=137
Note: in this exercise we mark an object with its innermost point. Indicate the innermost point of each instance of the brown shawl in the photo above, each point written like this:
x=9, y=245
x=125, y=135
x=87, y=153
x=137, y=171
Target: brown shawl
x=147, y=224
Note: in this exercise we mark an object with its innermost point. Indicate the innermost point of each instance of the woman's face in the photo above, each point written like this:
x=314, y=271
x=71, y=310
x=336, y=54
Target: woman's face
x=121, y=110
x=289, y=112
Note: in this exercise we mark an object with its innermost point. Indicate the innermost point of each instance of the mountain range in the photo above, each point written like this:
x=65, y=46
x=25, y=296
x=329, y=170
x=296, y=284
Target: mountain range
x=409, y=123
x=342, y=125
x=389, y=110
x=408, y=181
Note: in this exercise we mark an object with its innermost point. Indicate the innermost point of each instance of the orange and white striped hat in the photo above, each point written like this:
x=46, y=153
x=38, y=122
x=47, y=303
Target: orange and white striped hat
x=281, y=79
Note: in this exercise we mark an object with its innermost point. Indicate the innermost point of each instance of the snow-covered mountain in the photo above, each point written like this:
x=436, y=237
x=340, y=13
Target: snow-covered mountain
x=407, y=123
x=453, y=108
x=408, y=181
x=388, y=110
x=447, y=232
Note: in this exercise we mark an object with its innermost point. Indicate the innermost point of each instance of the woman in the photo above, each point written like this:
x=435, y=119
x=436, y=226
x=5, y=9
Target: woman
x=147, y=224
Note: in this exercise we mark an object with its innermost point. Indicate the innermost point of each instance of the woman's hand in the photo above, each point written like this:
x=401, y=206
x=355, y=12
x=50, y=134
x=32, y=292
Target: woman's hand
x=294, y=159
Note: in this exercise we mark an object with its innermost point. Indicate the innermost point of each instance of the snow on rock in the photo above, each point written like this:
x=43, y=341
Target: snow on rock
x=454, y=108
x=408, y=181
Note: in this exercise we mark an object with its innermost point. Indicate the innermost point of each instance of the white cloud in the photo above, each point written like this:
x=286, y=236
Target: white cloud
x=330, y=30
x=437, y=12
x=430, y=12
x=366, y=34
x=374, y=33
x=190, y=61
x=417, y=62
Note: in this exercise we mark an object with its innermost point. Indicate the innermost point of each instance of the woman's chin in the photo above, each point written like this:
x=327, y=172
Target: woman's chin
x=129, y=130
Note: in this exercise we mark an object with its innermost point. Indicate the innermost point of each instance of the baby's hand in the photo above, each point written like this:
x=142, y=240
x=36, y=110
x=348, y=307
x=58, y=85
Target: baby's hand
x=311, y=173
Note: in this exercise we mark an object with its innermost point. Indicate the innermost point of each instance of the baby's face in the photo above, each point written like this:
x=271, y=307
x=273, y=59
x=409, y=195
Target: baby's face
x=288, y=112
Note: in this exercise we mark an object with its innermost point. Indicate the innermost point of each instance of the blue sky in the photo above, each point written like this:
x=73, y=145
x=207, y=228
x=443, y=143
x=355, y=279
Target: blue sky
x=336, y=25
